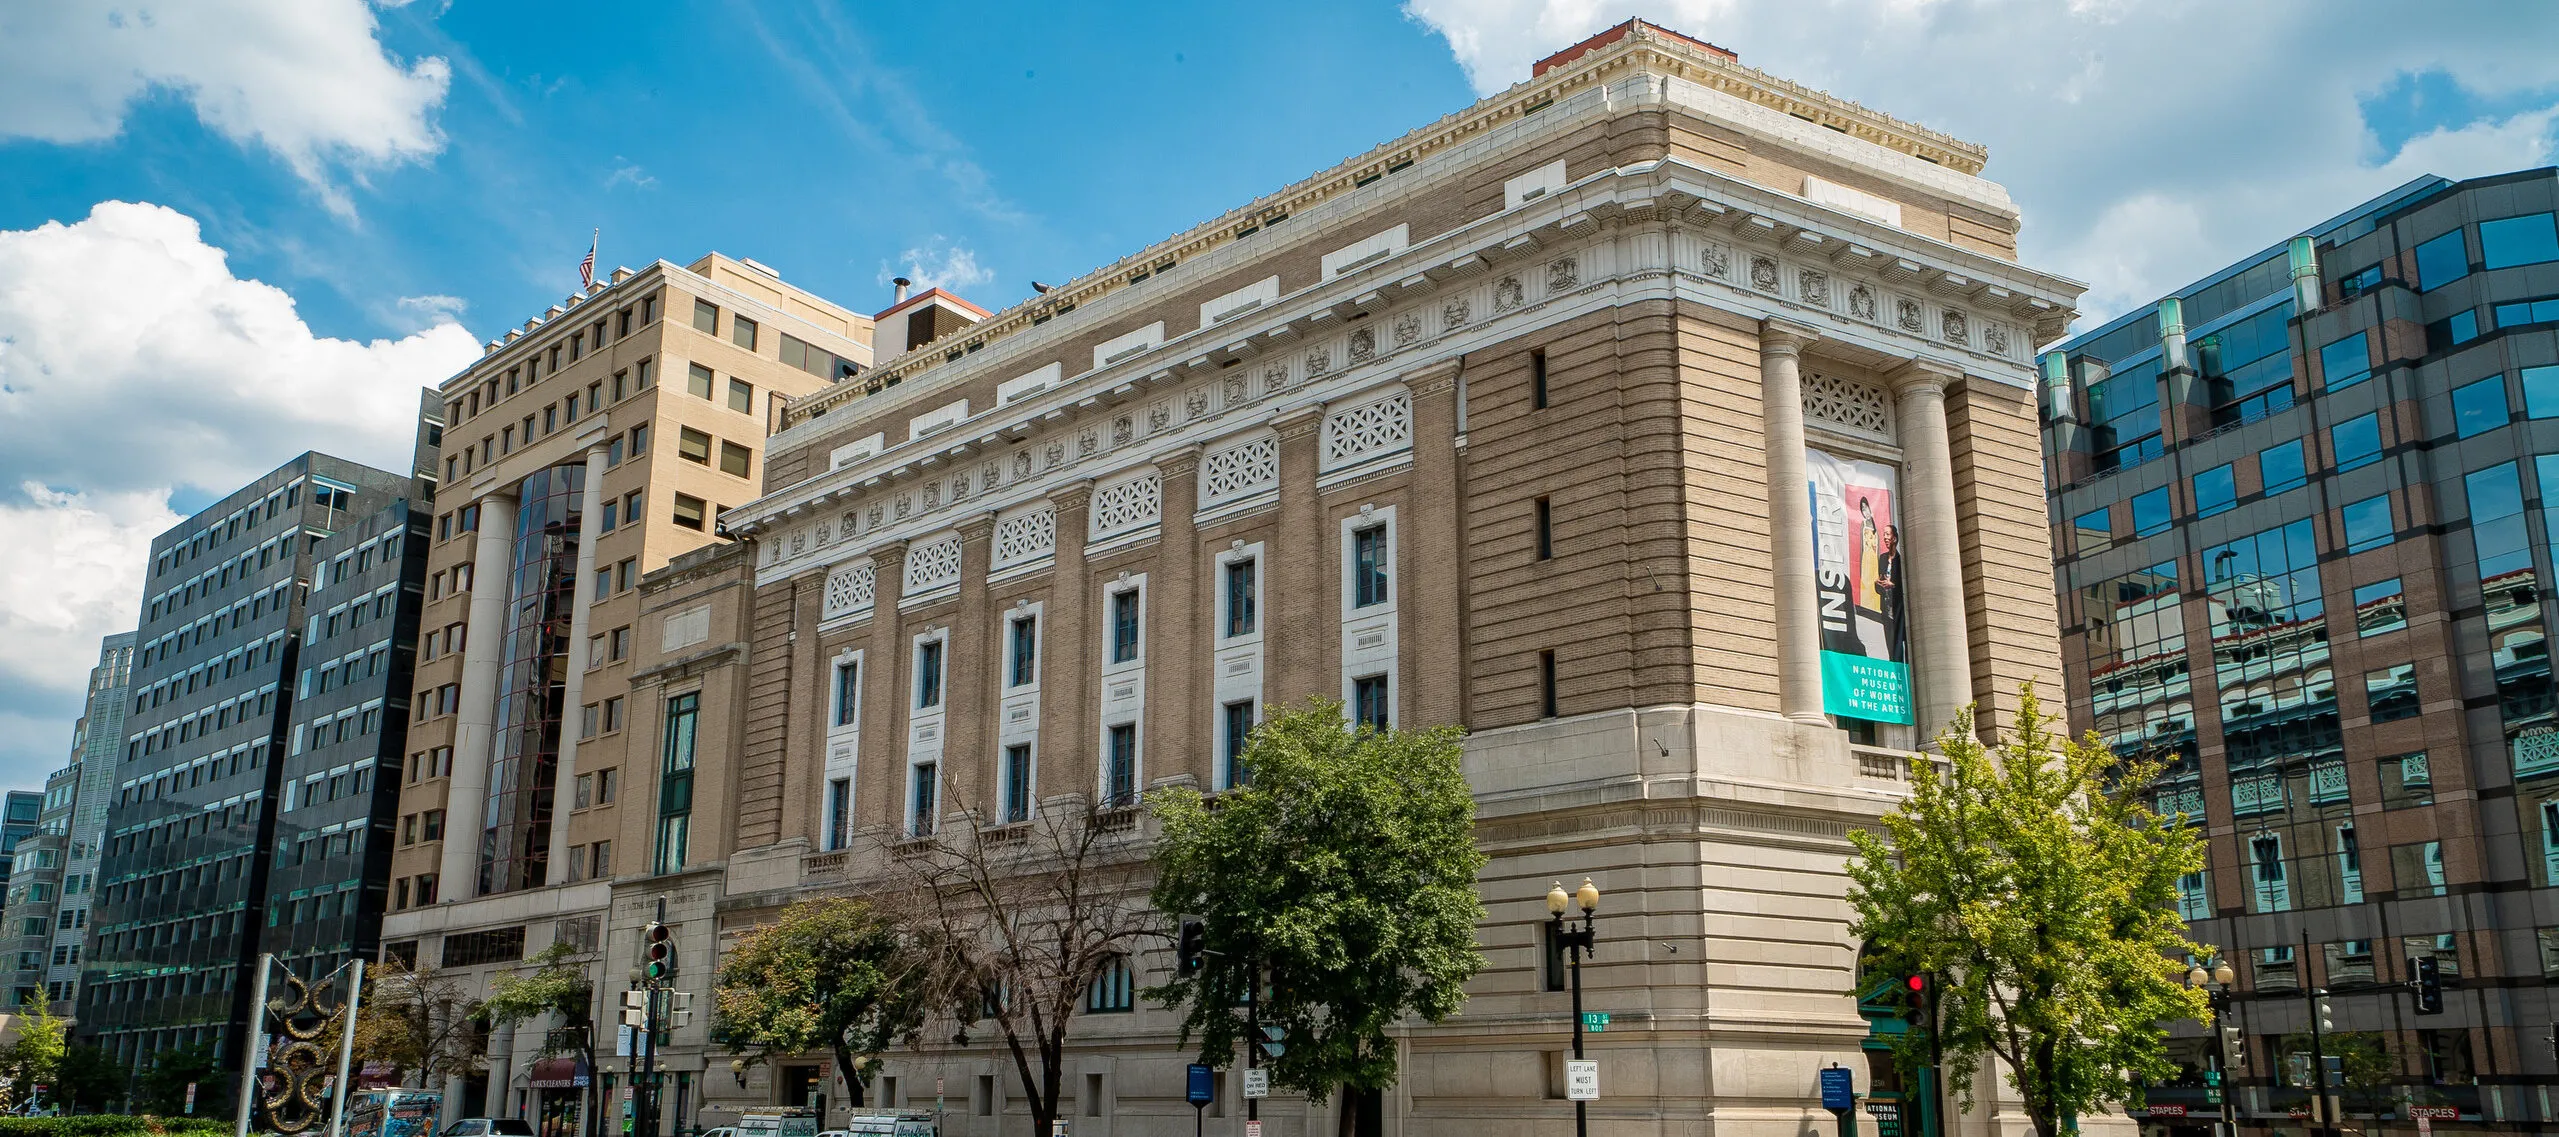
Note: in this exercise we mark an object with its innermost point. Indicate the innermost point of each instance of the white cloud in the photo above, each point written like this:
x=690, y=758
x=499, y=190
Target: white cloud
x=133, y=363
x=307, y=80
x=629, y=173
x=2146, y=143
x=938, y=263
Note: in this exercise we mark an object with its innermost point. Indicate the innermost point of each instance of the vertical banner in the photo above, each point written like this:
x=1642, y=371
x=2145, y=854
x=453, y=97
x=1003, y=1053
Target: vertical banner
x=1857, y=567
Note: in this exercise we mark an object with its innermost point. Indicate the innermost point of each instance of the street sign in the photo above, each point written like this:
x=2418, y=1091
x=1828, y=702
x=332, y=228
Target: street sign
x=2212, y=1077
x=2212, y=1096
x=191, y=1097
x=1202, y=1087
x=1839, y=1088
x=1595, y=1022
x=1252, y=1129
x=1257, y=1083
x=2425, y=1127
x=1581, y=1079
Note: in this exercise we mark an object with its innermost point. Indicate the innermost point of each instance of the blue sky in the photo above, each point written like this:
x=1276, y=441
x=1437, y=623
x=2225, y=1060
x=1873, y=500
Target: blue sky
x=231, y=230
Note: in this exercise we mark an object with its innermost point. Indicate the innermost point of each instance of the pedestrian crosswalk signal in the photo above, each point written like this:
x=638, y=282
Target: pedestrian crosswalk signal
x=635, y=1009
x=661, y=953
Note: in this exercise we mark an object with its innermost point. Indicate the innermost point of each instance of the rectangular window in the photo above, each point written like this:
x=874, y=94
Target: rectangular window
x=675, y=782
x=693, y=445
x=741, y=396
x=2095, y=529
x=923, y=811
x=735, y=460
x=1369, y=702
x=1537, y=379
x=621, y=643
x=848, y=693
x=2368, y=524
x=839, y=813
x=2215, y=490
x=2150, y=512
x=2406, y=782
x=1025, y=654
x=742, y=332
x=2541, y=392
x=1368, y=567
x=706, y=317
x=2442, y=261
x=2479, y=407
x=697, y=381
x=928, y=674
x=2380, y=607
x=2346, y=362
x=2357, y=441
x=1017, y=782
x=1545, y=530
x=688, y=511
x=2523, y=312
x=1241, y=620
x=2453, y=331
x=1120, y=778
x=1124, y=625
x=1239, y=737
x=1546, y=699
x=2510, y=241
x=2281, y=467
x=2391, y=692
x=1114, y=990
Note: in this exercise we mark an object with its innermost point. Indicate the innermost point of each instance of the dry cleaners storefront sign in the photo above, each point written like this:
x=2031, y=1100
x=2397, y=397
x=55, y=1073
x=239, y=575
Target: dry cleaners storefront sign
x=1857, y=564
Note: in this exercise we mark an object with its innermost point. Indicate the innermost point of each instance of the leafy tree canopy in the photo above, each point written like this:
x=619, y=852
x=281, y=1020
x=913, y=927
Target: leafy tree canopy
x=831, y=975
x=2034, y=882
x=1346, y=867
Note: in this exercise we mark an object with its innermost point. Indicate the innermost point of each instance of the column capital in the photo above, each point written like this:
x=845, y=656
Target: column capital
x=977, y=526
x=1179, y=460
x=1072, y=495
x=1785, y=337
x=1296, y=422
x=891, y=555
x=1436, y=378
x=1916, y=376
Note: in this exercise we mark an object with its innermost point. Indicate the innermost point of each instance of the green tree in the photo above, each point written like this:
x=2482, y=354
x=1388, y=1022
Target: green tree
x=89, y=1081
x=2367, y=1069
x=163, y=1087
x=420, y=1022
x=34, y=1058
x=1346, y=867
x=830, y=975
x=558, y=985
x=2036, y=884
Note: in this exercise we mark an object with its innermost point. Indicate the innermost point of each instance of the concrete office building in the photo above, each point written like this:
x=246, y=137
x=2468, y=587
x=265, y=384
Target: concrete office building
x=182, y=890
x=47, y=917
x=1507, y=423
x=604, y=437
x=2299, y=518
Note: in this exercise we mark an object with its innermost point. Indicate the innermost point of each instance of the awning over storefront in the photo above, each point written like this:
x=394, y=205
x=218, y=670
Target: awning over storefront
x=558, y=1074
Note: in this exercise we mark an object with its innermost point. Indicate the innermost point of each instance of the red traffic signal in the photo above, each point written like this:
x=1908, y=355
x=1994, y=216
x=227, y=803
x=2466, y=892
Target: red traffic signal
x=1918, y=983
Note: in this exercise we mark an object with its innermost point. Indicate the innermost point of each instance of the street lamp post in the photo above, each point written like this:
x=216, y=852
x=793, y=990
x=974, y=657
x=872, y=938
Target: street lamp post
x=1576, y=942
x=2216, y=987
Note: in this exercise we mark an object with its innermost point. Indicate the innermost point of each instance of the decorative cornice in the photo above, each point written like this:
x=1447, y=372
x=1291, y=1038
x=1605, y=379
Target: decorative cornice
x=1437, y=378
x=1298, y=422
x=1180, y=461
x=1786, y=337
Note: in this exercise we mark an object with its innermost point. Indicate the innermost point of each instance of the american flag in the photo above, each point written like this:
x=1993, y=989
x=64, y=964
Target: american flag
x=586, y=268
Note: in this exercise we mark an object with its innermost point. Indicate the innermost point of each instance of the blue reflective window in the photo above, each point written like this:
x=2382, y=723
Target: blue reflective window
x=2522, y=312
x=2541, y=392
x=2215, y=490
x=2368, y=523
x=2280, y=468
x=2357, y=283
x=2525, y=240
x=2150, y=512
x=2479, y=406
x=2442, y=261
x=2096, y=531
x=2356, y=441
x=2345, y=362
x=2496, y=520
x=2453, y=331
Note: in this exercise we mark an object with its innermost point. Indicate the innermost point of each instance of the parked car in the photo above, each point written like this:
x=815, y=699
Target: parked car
x=489, y=1127
x=722, y=1131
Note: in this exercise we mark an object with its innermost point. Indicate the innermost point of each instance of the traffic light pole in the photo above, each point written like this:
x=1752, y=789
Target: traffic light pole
x=650, y=1023
x=1253, y=1039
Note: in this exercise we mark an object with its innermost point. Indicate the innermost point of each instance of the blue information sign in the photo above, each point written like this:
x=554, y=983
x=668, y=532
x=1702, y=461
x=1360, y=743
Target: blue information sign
x=1203, y=1088
x=1839, y=1088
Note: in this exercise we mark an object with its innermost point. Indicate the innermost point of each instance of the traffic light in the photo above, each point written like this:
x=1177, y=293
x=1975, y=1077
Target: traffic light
x=2327, y=1014
x=679, y=1008
x=2234, y=1049
x=635, y=1009
x=661, y=953
x=1918, y=986
x=2429, y=984
x=1192, y=952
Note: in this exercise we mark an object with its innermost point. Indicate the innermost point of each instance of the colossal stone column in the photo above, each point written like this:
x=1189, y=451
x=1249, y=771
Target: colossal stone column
x=1790, y=521
x=1932, y=556
x=484, y=640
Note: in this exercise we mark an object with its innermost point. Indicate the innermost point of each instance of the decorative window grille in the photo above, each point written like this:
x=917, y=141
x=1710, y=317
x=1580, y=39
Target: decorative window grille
x=849, y=589
x=1026, y=536
x=1356, y=434
x=1132, y=504
x=1239, y=470
x=933, y=565
x=1846, y=404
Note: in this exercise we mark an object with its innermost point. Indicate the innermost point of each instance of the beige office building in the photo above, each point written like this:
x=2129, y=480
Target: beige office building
x=1668, y=425
x=585, y=449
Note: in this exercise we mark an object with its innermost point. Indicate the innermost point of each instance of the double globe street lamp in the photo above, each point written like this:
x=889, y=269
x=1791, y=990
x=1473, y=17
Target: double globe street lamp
x=2224, y=1053
x=1575, y=942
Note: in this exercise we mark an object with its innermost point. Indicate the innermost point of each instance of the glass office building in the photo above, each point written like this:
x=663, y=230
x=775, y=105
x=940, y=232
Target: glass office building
x=2299, y=520
x=195, y=822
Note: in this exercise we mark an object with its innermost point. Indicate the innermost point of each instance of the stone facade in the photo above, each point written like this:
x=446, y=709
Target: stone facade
x=1557, y=360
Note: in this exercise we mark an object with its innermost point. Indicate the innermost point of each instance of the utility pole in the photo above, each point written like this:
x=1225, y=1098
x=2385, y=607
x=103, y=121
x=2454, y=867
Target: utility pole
x=256, y=1044
x=2318, y=997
